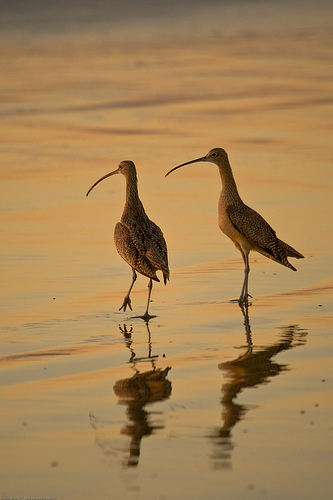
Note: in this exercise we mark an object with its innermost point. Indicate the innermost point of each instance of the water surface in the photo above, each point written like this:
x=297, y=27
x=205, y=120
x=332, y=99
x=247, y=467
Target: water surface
x=206, y=400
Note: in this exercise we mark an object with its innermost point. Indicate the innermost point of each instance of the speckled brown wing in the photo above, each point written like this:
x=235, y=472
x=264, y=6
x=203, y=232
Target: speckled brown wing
x=128, y=249
x=157, y=252
x=137, y=224
x=262, y=236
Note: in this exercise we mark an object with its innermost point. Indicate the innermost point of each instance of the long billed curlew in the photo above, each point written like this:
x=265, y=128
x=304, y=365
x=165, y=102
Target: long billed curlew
x=245, y=227
x=139, y=241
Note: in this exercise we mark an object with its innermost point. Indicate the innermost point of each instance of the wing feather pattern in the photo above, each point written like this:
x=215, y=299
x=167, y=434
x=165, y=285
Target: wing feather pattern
x=132, y=252
x=260, y=234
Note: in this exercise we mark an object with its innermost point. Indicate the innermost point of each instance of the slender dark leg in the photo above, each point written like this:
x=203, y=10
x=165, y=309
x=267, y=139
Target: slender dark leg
x=150, y=287
x=127, y=300
x=146, y=315
x=244, y=293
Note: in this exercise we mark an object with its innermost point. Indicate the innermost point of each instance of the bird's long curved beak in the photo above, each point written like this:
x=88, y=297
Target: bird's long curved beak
x=187, y=163
x=102, y=179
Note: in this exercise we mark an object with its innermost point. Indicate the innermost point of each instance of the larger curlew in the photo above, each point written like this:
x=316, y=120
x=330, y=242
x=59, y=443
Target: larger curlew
x=139, y=241
x=245, y=227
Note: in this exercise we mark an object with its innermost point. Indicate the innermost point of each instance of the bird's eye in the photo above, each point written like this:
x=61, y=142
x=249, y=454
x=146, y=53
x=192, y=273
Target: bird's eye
x=213, y=154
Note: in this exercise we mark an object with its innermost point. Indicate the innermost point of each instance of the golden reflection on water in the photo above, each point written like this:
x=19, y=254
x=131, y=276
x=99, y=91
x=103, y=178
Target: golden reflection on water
x=71, y=108
x=141, y=391
x=145, y=387
x=251, y=369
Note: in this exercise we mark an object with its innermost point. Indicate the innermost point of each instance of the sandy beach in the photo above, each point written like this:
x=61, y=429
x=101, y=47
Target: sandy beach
x=207, y=400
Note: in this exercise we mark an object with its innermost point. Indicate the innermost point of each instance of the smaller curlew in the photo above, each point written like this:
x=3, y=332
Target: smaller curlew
x=245, y=227
x=139, y=241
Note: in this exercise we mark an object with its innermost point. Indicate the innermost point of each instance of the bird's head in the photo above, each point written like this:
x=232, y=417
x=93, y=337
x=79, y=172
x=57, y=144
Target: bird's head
x=125, y=167
x=216, y=155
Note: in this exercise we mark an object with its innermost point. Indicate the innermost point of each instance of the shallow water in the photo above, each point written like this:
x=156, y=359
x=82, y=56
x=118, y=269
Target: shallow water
x=208, y=399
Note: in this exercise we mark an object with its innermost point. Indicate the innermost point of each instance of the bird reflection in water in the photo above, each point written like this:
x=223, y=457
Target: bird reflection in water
x=252, y=369
x=137, y=392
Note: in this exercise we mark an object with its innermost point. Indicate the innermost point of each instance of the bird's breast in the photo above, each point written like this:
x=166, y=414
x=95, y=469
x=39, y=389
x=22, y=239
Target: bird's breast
x=224, y=221
x=228, y=228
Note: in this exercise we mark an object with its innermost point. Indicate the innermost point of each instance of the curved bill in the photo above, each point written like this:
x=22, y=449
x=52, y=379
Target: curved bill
x=102, y=179
x=187, y=163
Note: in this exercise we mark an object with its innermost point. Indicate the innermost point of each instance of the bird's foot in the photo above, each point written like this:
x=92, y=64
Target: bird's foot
x=244, y=300
x=127, y=302
x=146, y=317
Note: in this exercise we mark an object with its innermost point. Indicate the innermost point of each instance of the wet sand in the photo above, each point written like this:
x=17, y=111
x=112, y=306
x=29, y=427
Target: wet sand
x=207, y=400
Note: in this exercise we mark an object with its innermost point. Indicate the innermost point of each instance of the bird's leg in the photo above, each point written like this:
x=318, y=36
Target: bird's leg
x=244, y=293
x=127, y=300
x=146, y=315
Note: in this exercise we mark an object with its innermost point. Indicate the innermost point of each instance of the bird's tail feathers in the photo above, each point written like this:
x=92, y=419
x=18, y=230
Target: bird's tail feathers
x=166, y=276
x=291, y=252
x=278, y=259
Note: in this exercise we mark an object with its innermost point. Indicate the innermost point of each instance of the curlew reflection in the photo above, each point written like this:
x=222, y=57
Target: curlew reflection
x=136, y=393
x=134, y=359
x=251, y=369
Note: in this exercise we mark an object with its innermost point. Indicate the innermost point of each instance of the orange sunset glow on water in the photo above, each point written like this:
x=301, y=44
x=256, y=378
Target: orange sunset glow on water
x=207, y=400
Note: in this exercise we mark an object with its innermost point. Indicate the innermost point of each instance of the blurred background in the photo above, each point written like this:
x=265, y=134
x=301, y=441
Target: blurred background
x=231, y=397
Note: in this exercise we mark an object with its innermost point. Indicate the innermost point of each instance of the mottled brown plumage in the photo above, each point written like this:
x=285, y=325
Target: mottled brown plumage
x=139, y=241
x=244, y=226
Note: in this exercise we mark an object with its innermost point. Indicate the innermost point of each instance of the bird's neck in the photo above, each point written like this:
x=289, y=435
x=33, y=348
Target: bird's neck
x=229, y=193
x=133, y=203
